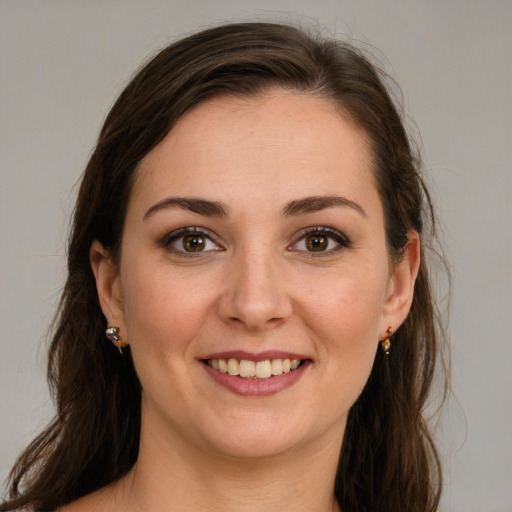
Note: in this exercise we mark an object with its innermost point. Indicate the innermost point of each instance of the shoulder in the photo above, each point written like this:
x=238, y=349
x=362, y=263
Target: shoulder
x=99, y=501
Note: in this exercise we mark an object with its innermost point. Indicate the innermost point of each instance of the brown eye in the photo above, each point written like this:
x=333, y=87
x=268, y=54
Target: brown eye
x=193, y=243
x=316, y=243
x=321, y=241
x=189, y=241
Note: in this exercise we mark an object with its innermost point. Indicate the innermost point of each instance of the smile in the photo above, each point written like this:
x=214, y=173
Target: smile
x=254, y=369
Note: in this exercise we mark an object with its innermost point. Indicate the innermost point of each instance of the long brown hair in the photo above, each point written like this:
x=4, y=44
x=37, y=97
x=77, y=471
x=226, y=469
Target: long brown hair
x=388, y=460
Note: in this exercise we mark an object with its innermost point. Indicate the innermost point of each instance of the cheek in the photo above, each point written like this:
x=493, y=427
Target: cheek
x=161, y=310
x=347, y=307
x=344, y=316
x=347, y=337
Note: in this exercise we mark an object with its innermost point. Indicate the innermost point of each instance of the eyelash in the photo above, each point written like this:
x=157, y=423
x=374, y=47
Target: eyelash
x=341, y=240
x=175, y=236
x=321, y=231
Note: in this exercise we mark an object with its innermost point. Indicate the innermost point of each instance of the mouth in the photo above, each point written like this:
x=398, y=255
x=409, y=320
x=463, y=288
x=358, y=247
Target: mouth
x=254, y=370
x=256, y=374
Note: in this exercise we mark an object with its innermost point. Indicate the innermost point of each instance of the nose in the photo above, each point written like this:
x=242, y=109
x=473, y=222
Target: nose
x=255, y=297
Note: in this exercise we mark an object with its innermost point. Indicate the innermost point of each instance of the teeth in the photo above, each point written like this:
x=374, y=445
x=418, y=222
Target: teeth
x=233, y=367
x=263, y=369
x=254, y=370
x=277, y=366
x=247, y=368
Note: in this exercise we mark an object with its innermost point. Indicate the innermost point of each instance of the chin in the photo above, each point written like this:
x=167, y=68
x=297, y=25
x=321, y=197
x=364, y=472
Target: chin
x=254, y=446
x=262, y=436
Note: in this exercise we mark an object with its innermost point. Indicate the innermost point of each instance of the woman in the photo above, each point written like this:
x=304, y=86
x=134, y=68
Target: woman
x=249, y=233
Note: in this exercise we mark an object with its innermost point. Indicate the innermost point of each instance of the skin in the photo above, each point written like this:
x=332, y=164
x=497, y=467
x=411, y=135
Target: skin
x=255, y=287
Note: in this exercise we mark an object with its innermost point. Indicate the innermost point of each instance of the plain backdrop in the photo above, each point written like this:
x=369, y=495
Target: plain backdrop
x=62, y=63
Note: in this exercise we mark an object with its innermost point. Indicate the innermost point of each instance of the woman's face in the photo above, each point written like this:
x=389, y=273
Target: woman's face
x=254, y=237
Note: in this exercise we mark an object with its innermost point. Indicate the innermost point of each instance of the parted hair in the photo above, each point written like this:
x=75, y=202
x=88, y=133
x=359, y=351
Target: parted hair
x=388, y=460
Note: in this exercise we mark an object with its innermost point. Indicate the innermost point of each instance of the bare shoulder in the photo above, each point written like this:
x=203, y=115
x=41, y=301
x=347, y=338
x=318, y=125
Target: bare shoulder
x=99, y=501
x=81, y=505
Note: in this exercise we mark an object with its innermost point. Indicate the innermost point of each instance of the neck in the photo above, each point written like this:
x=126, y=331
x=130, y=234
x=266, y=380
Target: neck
x=173, y=475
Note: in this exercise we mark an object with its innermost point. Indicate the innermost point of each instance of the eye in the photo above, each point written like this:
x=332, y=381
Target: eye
x=321, y=240
x=190, y=241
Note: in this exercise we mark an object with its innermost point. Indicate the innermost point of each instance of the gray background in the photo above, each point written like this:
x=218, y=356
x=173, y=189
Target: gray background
x=62, y=63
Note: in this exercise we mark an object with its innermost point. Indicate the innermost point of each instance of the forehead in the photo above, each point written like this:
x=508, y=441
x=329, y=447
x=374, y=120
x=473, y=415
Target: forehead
x=281, y=145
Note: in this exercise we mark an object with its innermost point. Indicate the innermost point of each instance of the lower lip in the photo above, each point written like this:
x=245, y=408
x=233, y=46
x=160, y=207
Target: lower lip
x=257, y=387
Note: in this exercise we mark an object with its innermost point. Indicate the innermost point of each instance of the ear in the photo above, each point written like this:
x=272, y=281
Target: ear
x=107, y=284
x=400, y=290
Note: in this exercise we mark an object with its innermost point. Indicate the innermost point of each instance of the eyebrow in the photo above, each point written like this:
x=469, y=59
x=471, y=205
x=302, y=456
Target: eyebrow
x=317, y=203
x=193, y=204
x=217, y=209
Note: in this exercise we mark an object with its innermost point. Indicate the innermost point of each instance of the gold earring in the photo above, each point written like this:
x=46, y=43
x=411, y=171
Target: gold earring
x=112, y=334
x=386, y=344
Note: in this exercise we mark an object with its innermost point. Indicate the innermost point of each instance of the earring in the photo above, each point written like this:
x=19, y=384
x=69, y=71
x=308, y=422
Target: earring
x=112, y=334
x=386, y=344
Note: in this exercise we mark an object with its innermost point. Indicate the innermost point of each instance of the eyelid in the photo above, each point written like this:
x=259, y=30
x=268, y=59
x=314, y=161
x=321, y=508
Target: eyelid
x=340, y=238
x=169, y=238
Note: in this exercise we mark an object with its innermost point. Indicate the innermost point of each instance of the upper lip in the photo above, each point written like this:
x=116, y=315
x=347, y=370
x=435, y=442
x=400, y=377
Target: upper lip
x=255, y=356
